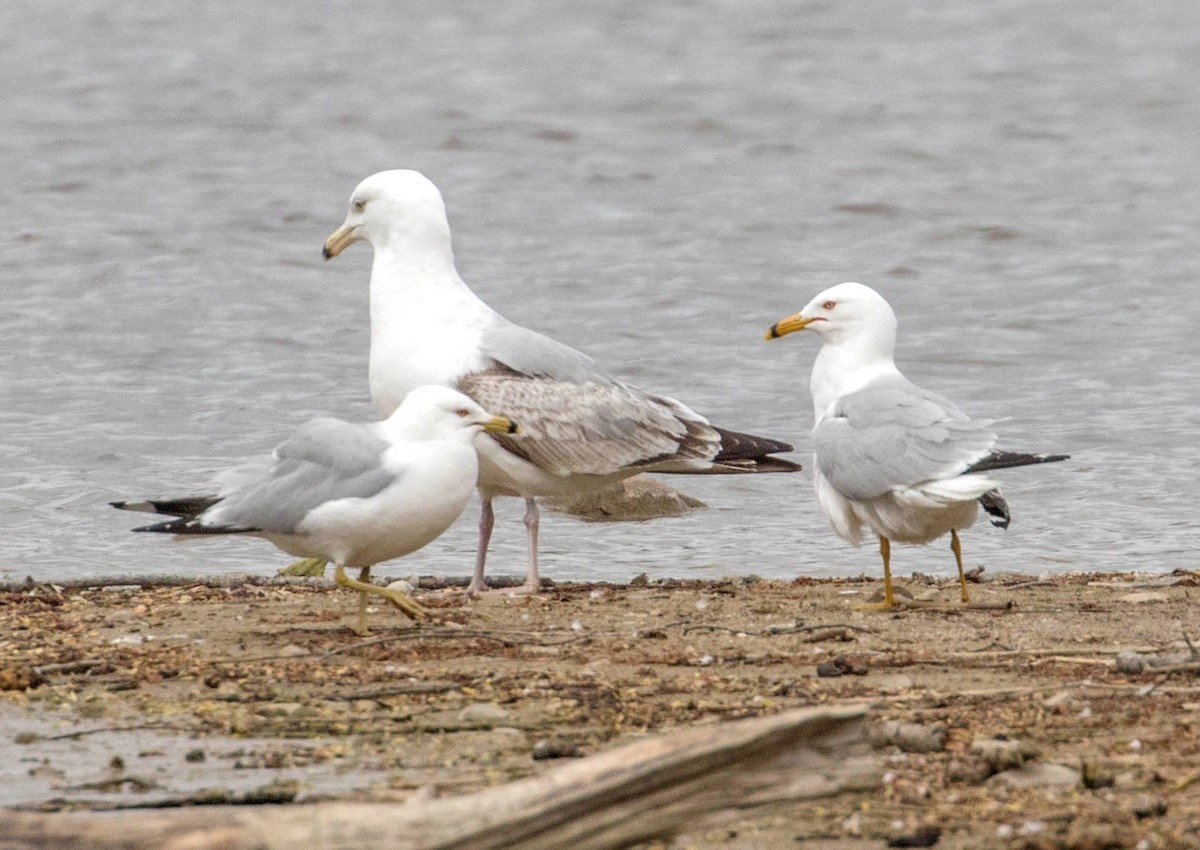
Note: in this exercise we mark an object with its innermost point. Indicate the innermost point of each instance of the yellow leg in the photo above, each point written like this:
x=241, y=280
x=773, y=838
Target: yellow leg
x=313, y=567
x=885, y=552
x=889, y=601
x=405, y=603
x=956, y=548
x=364, y=577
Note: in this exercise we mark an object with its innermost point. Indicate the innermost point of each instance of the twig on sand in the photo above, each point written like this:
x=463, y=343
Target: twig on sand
x=941, y=607
x=66, y=736
x=779, y=630
x=505, y=638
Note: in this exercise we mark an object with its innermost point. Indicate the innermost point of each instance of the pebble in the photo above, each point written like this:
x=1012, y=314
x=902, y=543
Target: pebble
x=1144, y=596
x=1128, y=661
x=402, y=585
x=1037, y=775
x=1003, y=753
x=909, y=737
x=1147, y=806
x=841, y=666
x=483, y=712
x=924, y=836
x=555, y=750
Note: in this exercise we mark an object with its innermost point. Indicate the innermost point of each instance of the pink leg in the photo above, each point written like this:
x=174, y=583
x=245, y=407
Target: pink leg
x=533, y=581
x=487, y=519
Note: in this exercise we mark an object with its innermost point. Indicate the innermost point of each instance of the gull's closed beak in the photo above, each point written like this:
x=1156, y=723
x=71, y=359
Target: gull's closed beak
x=793, y=323
x=501, y=425
x=338, y=240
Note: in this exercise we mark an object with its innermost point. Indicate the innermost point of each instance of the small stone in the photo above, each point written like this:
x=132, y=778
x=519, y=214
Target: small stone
x=1147, y=806
x=1037, y=775
x=484, y=713
x=909, y=737
x=194, y=756
x=971, y=771
x=841, y=666
x=1144, y=596
x=1058, y=702
x=1003, y=753
x=402, y=585
x=893, y=683
x=555, y=750
x=924, y=836
x=1129, y=662
x=292, y=651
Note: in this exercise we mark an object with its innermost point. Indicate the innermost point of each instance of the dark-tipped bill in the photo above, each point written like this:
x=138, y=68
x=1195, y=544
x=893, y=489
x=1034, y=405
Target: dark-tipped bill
x=790, y=325
x=501, y=425
x=337, y=242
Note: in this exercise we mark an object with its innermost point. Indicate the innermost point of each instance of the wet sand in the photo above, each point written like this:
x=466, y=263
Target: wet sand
x=1016, y=723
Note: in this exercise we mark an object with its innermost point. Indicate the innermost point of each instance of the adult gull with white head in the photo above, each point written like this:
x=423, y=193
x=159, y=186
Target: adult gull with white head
x=888, y=455
x=355, y=494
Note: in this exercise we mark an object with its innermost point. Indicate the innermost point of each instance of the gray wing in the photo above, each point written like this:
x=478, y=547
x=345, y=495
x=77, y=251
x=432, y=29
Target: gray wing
x=531, y=353
x=591, y=428
x=892, y=434
x=325, y=460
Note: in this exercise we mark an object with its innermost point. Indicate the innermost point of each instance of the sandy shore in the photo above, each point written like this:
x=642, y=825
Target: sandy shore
x=1017, y=723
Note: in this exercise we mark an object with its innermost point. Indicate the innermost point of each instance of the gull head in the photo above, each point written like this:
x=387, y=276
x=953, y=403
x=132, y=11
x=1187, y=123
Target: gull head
x=392, y=209
x=846, y=312
x=440, y=413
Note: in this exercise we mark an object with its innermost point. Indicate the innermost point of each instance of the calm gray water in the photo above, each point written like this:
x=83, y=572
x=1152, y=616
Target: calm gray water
x=653, y=183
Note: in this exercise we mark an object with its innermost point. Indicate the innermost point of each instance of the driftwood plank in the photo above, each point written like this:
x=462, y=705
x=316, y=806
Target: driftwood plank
x=643, y=790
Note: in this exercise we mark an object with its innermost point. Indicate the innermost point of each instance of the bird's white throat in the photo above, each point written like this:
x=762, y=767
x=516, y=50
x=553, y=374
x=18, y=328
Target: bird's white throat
x=425, y=324
x=844, y=368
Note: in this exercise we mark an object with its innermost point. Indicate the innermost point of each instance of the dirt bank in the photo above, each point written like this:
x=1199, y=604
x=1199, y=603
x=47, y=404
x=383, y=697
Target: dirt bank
x=1014, y=724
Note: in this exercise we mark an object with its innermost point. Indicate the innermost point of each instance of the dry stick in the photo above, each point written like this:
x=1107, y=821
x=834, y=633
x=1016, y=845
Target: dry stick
x=643, y=791
x=104, y=729
x=1058, y=650
x=781, y=630
x=939, y=607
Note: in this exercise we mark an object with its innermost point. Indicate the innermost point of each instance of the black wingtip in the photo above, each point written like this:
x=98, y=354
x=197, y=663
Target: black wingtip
x=1007, y=460
x=755, y=451
x=997, y=508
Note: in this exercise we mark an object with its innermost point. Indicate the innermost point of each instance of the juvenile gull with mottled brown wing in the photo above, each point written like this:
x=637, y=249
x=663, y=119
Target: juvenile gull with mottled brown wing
x=582, y=429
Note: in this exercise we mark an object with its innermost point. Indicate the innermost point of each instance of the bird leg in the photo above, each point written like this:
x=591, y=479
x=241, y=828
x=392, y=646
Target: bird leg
x=364, y=577
x=487, y=519
x=956, y=548
x=310, y=567
x=889, y=601
x=405, y=603
x=533, y=581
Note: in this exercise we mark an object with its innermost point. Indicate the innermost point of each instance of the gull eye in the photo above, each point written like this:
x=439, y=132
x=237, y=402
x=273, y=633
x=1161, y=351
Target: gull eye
x=829, y=305
x=358, y=205
x=462, y=413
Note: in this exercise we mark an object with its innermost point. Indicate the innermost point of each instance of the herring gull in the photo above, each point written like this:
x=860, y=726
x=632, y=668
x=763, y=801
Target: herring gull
x=354, y=494
x=582, y=428
x=888, y=455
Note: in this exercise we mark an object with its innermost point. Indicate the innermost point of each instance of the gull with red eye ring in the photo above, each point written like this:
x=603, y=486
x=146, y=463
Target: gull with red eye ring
x=354, y=494
x=889, y=456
